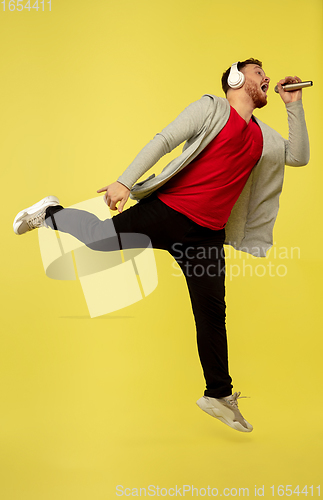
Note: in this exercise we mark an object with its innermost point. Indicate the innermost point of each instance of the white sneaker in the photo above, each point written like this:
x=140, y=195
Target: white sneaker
x=225, y=409
x=34, y=216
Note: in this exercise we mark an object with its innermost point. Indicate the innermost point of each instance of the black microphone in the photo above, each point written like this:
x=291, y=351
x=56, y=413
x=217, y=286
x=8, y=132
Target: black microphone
x=288, y=87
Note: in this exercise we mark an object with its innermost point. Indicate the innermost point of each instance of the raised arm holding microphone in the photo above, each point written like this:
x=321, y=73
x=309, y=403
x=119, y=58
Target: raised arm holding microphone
x=223, y=188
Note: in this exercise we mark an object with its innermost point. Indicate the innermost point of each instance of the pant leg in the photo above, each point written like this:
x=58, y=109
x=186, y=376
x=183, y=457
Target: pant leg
x=151, y=218
x=203, y=269
x=203, y=264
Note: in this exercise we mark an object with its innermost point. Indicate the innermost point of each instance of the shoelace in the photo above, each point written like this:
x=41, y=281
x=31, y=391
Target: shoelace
x=36, y=221
x=232, y=400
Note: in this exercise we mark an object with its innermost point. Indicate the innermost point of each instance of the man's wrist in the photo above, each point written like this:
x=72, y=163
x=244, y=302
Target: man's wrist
x=123, y=184
x=292, y=104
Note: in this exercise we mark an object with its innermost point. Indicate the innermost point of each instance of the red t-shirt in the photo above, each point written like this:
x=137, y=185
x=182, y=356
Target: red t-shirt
x=207, y=189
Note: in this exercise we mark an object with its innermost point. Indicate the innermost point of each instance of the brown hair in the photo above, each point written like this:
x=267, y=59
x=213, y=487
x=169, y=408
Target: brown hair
x=241, y=64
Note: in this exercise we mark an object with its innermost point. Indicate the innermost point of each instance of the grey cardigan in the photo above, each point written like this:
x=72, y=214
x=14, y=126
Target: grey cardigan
x=250, y=225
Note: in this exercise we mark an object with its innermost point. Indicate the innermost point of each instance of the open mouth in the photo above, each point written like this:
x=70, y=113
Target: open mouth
x=264, y=87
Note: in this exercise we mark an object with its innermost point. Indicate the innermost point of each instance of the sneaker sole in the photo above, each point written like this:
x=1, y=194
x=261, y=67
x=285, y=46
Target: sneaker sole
x=221, y=413
x=45, y=202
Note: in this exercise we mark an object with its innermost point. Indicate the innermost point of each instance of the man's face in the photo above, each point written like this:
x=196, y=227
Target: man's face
x=256, y=84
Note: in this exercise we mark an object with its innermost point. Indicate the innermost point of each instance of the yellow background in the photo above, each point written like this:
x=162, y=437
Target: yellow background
x=87, y=405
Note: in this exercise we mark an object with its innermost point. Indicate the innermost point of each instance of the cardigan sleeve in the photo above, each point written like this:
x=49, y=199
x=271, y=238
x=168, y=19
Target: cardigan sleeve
x=297, y=149
x=187, y=125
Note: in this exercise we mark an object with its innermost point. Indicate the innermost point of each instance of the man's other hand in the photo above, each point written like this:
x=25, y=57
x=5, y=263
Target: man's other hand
x=289, y=96
x=115, y=193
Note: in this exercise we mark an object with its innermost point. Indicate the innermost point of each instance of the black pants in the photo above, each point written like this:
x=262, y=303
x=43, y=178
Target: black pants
x=197, y=249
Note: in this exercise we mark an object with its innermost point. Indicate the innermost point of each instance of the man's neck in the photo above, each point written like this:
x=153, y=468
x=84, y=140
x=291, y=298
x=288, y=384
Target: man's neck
x=244, y=108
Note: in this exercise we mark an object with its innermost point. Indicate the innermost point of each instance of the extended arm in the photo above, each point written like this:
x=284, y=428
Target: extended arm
x=185, y=126
x=297, y=150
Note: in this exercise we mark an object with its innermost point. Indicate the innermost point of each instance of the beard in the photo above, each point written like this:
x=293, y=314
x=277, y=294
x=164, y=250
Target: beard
x=258, y=97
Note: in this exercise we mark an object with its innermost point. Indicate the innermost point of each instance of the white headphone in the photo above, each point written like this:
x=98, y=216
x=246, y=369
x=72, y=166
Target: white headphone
x=236, y=78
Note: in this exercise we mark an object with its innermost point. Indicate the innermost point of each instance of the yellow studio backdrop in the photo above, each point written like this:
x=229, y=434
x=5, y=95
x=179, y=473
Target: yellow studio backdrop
x=90, y=407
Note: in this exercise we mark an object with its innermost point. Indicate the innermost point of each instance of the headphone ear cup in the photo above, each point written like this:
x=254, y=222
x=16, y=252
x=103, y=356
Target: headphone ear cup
x=236, y=78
